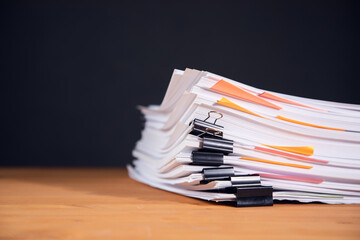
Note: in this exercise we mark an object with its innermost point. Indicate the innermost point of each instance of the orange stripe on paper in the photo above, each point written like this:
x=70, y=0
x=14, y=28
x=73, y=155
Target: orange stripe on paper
x=234, y=91
x=280, y=99
x=304, y=150
x=290, y=155
x=276, y=163
x=292, y=178
x=227, y=103
x=307, y=124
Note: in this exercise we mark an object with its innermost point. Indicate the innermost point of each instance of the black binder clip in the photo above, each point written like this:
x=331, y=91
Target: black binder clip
x=254, y=196
x=248, y=180
x=207, y=158
x=217, y=145
x=203, y=128
x=220, y=173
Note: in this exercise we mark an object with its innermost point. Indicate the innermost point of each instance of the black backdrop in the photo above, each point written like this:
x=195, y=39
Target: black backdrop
x=72, y=74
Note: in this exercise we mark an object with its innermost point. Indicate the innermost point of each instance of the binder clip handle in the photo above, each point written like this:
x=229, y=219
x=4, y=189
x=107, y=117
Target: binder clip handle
x=203, y=128
x=209, y=115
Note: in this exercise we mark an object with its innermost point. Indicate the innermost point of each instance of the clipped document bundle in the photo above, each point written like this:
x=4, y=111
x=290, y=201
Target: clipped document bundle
x=216, y=139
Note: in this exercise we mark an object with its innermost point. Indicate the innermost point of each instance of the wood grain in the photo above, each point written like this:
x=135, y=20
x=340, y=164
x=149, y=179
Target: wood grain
x=103, y=204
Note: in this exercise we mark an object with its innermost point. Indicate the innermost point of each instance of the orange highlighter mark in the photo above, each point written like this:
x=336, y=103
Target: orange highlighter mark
x=234, y=91
x=307, y=124
x=276, y=163
x=289, y=155
x=227, y=103
x=304, y=150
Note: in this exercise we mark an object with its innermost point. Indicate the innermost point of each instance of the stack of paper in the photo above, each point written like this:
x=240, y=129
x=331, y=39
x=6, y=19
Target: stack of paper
x=219, y=140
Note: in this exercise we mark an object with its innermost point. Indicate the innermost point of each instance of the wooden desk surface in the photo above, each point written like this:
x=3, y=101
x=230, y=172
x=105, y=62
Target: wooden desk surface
x=105, y=204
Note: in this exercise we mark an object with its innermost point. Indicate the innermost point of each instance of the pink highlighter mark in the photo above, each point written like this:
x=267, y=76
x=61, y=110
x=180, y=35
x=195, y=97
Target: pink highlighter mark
x=292, y=178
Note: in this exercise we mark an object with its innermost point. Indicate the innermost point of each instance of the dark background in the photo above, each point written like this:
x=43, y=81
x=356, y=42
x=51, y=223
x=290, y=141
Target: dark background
x=72, y=74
